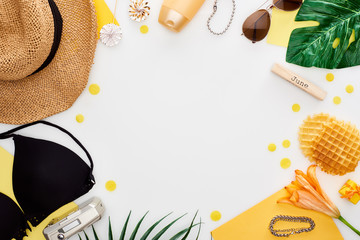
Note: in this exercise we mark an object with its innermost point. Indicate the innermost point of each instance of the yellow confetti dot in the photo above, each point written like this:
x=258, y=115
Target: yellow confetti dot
x=330, y=77
x=286, y=143
x=144, y=29
x=80, y=118
x=110, y=186
x=215, y=216
x=336, y=43
x=337, y=100
x=285, y=163
x=349, y=88
x=94, y=89
x=352, y=37
x=296, y=107
x=272, y=147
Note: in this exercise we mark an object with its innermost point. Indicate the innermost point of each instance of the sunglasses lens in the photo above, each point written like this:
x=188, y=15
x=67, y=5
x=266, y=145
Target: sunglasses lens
x=287, y=5
x=257, y=25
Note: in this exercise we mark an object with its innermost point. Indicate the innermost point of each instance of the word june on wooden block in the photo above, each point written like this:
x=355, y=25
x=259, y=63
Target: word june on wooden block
x=299, y=82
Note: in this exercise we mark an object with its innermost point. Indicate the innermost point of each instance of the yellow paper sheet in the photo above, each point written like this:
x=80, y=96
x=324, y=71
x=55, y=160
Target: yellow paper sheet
x=6, y=164
x=282, y=24
x=253, y=224
x=104, y=15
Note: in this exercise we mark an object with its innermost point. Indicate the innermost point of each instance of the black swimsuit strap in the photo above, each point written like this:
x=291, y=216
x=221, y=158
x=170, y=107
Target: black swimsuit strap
x=9, y=134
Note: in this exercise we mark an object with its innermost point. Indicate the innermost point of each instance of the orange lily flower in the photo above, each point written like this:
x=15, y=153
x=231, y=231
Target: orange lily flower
x=305, y=192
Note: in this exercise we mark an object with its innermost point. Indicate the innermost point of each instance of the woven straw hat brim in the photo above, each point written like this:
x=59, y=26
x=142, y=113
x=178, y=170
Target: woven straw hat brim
x=55, y=88
x=27, y=34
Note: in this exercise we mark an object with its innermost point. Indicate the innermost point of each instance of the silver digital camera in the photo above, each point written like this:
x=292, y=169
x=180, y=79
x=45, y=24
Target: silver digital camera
x=88, y=213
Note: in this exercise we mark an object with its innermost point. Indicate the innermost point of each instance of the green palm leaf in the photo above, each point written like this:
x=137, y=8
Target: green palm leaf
x=86, y=236
x=192, y=223
x=123, y=232
x=313, y=46
x=182, y=232
x=147, y=233
x=162, y=231
x=94, y=232
x=198, y=235
x=133, y=235
x=110, y=231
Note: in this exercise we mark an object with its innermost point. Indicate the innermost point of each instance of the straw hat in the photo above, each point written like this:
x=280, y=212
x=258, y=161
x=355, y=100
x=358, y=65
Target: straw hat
x=47, y=49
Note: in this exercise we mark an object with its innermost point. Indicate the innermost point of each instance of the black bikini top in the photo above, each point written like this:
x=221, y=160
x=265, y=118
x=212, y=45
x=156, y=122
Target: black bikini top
x=46, y=176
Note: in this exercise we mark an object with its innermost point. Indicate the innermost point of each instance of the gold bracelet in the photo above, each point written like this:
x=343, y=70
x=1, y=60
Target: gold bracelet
x=290, y=231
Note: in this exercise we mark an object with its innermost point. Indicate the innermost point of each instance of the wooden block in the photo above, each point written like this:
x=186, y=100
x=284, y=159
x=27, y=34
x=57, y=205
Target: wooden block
x=299, y=82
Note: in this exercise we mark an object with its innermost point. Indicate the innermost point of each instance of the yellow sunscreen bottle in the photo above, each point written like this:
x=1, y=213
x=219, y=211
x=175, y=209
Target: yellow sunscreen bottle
x=175, y=14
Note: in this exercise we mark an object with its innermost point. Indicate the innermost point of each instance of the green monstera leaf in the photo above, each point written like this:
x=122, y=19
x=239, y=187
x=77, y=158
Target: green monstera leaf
x=327, y=45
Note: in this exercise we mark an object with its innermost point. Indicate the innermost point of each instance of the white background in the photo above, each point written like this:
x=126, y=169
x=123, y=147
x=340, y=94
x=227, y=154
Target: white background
x=183, y=121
